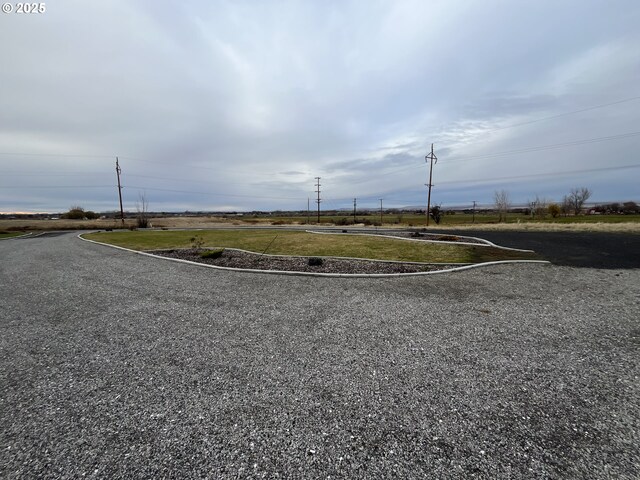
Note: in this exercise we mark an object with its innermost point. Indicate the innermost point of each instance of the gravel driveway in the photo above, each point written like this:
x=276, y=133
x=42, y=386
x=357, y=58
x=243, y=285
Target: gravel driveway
x=115, y=365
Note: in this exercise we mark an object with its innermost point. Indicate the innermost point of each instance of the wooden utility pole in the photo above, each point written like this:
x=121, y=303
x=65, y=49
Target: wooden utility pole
x=354, y=211
x=318, y=200
x=118, y=170
x=430, y=158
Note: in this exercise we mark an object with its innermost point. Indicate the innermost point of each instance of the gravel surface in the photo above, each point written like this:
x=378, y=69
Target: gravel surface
x=241, y=259
x=116, y=365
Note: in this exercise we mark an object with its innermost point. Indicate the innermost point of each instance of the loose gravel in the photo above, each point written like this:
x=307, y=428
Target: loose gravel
x=116, y=365
x=232, y=258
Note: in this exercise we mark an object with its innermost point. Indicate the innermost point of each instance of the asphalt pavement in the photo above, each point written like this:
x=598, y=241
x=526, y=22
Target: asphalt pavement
x=575, y=249
x=117, y=365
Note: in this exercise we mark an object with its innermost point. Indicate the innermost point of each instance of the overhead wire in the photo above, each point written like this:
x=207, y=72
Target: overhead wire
x=387, y=172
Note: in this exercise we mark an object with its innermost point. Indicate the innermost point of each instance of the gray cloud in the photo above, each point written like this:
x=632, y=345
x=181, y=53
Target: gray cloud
x=236, y=102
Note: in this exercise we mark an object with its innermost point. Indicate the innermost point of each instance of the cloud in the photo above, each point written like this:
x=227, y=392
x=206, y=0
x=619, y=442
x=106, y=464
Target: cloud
x=256, y=99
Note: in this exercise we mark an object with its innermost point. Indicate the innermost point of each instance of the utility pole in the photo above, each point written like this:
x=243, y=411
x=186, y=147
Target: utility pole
x=430, y=158
x=118, y=170
x=318, y=200
x=474, y=212
x=354, y=211
x=308, y=212
x=380, y=212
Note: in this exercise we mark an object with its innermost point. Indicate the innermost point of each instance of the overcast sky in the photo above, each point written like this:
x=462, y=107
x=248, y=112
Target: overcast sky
x=238, y=105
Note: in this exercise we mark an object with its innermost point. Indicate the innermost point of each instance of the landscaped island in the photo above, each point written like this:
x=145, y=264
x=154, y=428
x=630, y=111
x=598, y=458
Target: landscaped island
x=262, y=250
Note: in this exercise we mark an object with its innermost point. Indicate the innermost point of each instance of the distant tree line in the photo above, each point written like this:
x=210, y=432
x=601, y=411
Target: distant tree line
x=79, y=213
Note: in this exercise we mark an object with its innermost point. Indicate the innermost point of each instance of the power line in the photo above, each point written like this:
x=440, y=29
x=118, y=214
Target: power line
x=514, y=152
x=549, y=174
x=212, y=194
x=516, y=177
x=549, y=147
x=26, y=154
x=55, y=186
x=563, y=114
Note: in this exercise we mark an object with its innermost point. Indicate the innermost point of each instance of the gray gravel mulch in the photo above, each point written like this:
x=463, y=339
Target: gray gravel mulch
x=240, y=259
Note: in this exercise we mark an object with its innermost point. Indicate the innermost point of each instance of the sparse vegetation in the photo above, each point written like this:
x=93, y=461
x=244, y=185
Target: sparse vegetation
x=142, y=208
x=577, y=198
x=554, y=210
x=502, y=204
x=79, y=213
x=436, y=213
x=197, y=242
x=213, y=253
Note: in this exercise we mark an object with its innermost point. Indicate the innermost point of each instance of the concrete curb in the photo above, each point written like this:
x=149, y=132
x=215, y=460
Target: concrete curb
x=312, y=274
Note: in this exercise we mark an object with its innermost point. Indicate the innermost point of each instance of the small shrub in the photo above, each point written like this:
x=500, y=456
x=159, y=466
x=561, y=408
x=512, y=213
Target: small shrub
x=197, y=242
x=279, y=222
x=216, y=253
x=315, y=261
x=133, y=228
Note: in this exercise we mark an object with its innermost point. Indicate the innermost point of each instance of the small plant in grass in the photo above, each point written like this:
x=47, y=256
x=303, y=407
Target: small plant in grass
x=197, y=242
x=315, y=261
x=216, y=253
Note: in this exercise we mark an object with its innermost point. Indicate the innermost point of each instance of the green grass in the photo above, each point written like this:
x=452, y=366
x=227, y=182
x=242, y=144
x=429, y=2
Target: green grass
x=10, y=234
x=309, y=244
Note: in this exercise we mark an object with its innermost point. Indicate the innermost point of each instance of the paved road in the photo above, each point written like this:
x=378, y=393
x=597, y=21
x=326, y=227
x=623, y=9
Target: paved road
x=115, y=365
x=576, y=249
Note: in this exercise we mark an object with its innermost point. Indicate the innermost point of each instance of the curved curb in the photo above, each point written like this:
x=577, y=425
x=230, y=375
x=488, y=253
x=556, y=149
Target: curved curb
x=485, y=243
x=312, y=274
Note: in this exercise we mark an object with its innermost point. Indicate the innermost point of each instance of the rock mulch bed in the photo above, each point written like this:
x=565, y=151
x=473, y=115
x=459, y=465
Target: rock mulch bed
x=246, y=260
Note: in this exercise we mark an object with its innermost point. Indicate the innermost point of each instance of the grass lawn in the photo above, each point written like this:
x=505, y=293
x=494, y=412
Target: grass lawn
x=9, y=234
x=309, y=244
